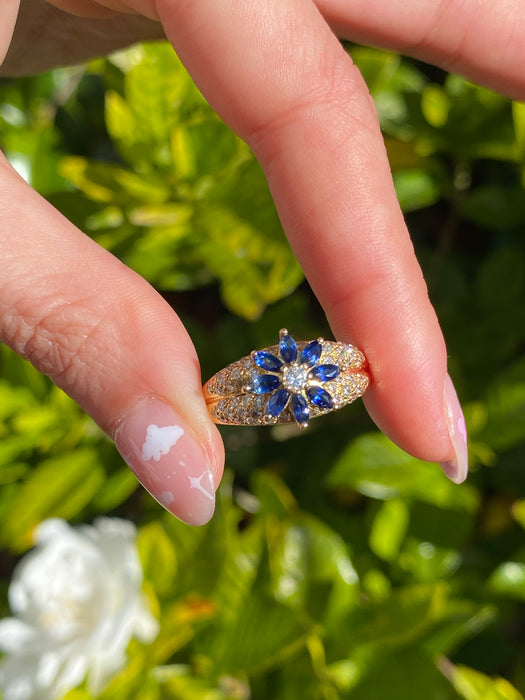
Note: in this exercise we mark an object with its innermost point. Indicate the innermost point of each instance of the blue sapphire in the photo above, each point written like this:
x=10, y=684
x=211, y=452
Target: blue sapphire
x=324, y=372
x=288, y=348
x=277, y=402
x=263, y=384
x=319, y=397
x=311, y=353
x=267, y=361
x=300, y=409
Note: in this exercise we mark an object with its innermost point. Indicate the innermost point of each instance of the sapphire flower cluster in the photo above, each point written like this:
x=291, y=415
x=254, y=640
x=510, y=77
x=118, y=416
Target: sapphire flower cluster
x=293, y=379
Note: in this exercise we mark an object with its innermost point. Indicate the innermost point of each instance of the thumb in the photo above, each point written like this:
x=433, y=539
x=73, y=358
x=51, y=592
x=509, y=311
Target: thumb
x=113, y=344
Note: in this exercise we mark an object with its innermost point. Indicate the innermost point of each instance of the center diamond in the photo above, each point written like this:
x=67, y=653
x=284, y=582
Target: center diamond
x=294, y=378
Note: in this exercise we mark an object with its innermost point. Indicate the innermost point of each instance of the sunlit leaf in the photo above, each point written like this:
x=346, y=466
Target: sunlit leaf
x=518, y=511
x=509, y=579
x=518, y=114
x=474, y=685
x=373, y=465
x=389, y=528
x=416, y=189
x=111, y=183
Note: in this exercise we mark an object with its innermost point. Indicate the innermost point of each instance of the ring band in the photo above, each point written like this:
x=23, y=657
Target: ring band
x=294, y=380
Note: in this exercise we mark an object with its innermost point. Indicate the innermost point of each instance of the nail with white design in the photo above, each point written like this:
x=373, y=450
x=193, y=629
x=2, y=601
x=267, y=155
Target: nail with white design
x=167, y=459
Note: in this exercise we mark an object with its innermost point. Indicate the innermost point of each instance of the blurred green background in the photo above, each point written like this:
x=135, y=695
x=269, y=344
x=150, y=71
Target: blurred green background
x=336, y=565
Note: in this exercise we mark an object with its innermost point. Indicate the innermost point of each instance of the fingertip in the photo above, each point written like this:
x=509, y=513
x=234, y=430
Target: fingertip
x=456, y=468
x=168, y=459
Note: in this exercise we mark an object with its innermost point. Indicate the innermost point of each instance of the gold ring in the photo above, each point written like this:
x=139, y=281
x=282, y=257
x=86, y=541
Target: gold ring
x=295, y=380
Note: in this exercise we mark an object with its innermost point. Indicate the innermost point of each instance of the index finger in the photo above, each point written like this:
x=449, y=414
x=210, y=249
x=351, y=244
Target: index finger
x=279, y=77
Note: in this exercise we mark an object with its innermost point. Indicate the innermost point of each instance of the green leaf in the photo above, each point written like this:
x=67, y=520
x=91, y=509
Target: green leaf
x=254, y=270
x=165, y=219
x=501, y=279
x=518, y=512
x=311, y=570
x=416, y=189
x=407, y=615
x=407, y=674
x=474, y=685
x=158, y=95
x=59, y=487
x=426, y=561
x=374, y=466
x=273, y=494
x=494, y=207
x=389, y=529
x=435, y=105
x=113, y=184
x=518, y=115
x=202, y=148
x=509, y=579
x=117, y=489
x=158, y=556
x=124, y=128
x=262, y=635
x=506, y=407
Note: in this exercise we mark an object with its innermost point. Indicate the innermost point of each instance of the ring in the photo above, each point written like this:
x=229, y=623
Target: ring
x=292, y=381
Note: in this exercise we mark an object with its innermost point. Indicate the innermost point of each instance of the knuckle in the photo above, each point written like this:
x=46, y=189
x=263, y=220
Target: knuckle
x=334, y=104
x=61, y=343
x=445, y=19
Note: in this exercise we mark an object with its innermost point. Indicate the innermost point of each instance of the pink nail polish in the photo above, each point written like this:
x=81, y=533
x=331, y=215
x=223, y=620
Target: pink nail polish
x=457, y=468
x=165, y=457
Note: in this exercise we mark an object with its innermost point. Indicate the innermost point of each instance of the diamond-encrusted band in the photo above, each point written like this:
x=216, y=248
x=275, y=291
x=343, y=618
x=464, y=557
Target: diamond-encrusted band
x=295, y=380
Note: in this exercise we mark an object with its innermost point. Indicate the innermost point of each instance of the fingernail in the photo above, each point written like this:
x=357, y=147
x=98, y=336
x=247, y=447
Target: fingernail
x=457, y=468
x=162, y=452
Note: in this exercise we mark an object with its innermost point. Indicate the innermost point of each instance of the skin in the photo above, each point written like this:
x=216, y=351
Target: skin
x=276, y=73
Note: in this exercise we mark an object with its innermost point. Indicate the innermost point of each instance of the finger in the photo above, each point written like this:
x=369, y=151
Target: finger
x=278, y=75
x=483, y=40
x=110, y=341
x=8, y=13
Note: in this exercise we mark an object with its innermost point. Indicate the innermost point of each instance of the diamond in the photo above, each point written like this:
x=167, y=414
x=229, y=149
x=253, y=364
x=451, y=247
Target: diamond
x=294, y=378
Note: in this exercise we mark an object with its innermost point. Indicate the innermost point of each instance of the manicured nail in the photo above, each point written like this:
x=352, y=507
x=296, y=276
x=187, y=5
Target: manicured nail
x=457, y=468
x=163, y=454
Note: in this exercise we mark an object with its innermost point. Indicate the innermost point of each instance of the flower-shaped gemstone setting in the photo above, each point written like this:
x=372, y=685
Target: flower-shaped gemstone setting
x=293, y=379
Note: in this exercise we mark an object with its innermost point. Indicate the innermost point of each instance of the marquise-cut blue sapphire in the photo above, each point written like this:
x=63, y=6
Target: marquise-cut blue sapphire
x=267, y=361
x=277, y=402
x=288, y=348
x=311, y=353
x=300, y=409
x=320, y=397
x=263, y=384
x=324, y=372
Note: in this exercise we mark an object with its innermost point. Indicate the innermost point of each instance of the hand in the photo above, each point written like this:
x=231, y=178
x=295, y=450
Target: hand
x=277, y=74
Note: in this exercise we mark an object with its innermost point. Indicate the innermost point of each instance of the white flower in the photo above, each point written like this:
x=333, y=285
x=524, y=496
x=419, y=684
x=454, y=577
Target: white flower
x=76, y=601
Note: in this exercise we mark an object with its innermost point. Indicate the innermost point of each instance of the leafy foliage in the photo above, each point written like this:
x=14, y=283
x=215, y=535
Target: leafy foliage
x=336, y=566
x=172, y=208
